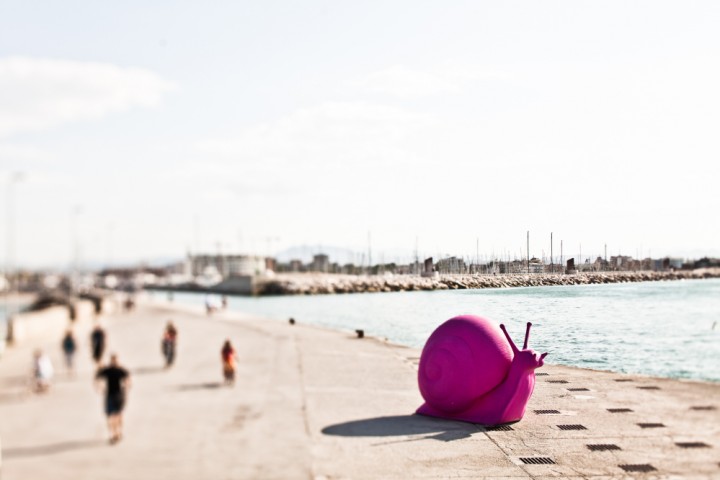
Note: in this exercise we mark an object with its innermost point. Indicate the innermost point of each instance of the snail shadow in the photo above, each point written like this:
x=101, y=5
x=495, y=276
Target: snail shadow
x=404, y=425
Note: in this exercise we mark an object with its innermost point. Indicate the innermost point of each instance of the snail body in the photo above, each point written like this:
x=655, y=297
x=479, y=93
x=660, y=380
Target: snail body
x=471, y=370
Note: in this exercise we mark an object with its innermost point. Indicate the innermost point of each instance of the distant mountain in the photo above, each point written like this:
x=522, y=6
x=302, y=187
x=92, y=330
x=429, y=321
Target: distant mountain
x=346, y=255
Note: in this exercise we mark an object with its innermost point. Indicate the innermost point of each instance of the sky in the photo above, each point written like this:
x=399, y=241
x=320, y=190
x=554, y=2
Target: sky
x=140, y=131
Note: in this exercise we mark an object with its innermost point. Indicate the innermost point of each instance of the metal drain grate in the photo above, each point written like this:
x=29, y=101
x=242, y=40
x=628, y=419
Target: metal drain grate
x=547, y=412
x=542, y=374
x=649, y=387
x=703, y=407
x=574, y=426
x=578, y=389
x=651, y=425
x=499, y=428
x=558, y=381
x=643, y=467
x=692, y=445
x=537, y=460
x=623, y=379
x=601, y=447
x=619, y=410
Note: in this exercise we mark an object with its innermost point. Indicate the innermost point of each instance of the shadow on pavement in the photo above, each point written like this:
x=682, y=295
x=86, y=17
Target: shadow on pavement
x=16, y=380
x=146, y=370
x=200, y=386
x=14, y=397
x=50, y=449
x=402, y=425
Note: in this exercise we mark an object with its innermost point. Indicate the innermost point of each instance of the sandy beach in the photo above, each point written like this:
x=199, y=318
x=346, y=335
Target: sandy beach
x=322, y=404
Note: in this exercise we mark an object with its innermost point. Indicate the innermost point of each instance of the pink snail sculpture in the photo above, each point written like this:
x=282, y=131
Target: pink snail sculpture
x=469, y=372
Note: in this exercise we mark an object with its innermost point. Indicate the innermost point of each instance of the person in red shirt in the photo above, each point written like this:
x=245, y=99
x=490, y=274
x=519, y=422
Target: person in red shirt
x=169, y=344
x=228, y=362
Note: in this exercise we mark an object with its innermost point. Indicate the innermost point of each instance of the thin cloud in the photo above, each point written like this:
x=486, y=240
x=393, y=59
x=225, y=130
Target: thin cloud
x=36, y=94
x=325, y=135
x=24, y=153
x=404, y=82
x=401, y=81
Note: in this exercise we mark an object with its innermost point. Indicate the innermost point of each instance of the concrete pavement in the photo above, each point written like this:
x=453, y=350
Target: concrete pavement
x=314, y=403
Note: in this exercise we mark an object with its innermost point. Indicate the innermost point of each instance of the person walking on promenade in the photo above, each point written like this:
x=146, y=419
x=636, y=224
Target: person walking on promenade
x=169, y=344
x=69, y=346
x=97, y=342
x=42, y=371
x=228, y=362
x=117, y=382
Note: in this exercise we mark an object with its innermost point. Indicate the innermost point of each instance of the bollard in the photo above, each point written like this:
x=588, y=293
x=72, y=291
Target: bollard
x=360, y=333
x=291, y=321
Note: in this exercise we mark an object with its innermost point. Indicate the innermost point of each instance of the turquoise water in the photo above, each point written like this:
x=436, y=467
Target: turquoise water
x=654, y=328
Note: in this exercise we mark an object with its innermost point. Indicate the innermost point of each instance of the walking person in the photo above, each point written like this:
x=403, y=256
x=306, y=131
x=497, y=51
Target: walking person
x=117, y=382
x=69, y=346
x=169, y=344
x=42, y=371
x=97, y=342
x=228, y=362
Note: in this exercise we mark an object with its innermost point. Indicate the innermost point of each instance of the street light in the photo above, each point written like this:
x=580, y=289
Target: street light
x=14, y=178
x=75, y=257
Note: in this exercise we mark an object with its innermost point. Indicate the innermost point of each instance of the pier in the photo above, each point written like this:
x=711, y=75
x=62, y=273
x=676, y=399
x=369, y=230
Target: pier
x=321, y=404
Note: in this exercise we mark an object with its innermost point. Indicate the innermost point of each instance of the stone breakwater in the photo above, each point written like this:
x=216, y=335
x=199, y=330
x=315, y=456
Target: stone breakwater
x=312, y=284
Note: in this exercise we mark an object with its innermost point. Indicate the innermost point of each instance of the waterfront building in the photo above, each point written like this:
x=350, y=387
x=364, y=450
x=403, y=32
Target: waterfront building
x=451, y=265
x=536, y=265
x=320, y=263
x=227, y=265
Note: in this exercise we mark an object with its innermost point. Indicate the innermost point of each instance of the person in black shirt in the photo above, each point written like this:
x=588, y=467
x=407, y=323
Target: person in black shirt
x=69, y=346
x=97, y=339
x=117, y=381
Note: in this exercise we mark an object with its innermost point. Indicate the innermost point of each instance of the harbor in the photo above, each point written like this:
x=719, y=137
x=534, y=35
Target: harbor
x=344, y=240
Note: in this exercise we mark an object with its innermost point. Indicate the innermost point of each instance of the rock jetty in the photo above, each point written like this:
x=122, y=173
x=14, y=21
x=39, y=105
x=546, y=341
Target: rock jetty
x=314, y=283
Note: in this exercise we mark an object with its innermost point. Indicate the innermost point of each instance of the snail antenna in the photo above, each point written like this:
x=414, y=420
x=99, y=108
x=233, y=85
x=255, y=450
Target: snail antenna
x=512, y=344
x=527, y=335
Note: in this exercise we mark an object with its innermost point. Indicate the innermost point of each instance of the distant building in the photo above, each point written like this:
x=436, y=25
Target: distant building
x=621, y=262
x=227, y=265
x=270, y=264
x=428, y=268
x=536, y=265
x=706, y=262
x=320, y=263
x=451, y=265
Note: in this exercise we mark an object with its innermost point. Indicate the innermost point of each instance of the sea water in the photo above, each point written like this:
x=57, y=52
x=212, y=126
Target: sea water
x=668, y=329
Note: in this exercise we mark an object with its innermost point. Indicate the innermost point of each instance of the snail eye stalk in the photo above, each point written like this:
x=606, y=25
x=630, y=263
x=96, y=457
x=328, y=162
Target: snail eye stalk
x=527, y=335
x=512, y=344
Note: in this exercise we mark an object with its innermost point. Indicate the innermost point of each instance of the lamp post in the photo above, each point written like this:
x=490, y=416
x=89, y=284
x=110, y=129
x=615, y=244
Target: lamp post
x=75, y=274
x=14, y=178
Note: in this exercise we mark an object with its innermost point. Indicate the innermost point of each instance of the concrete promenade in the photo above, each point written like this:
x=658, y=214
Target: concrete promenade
x=317, y=404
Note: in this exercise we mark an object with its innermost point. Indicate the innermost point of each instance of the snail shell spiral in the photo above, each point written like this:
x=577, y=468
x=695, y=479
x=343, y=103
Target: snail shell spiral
x=464, y=358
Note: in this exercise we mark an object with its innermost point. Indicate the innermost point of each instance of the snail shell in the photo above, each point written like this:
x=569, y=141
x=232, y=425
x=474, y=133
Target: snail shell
x=464, y=358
